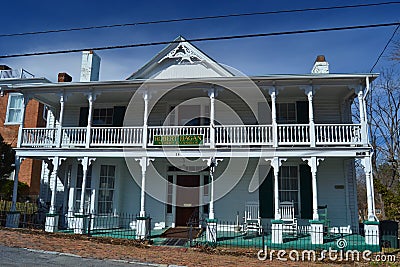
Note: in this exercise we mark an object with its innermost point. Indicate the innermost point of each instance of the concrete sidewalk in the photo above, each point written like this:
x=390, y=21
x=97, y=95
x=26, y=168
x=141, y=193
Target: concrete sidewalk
x=29, y=257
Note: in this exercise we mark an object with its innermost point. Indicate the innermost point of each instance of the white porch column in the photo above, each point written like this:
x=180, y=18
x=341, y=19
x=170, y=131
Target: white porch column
x=146, y=98
x=212, y=94
x=363, y=120
x=144, y=162
x=63, y=98
x=212, y=163
x=81, y=219
x=371, y=226
x=141, y=221
x=366, y=162
x=309, y=91
x=13, y=216
x=91, y=98
x=18, y=161
x=56, y=162
x=72, y=192
x=50, y=168
x=275, y=164
x=313, y=162
x=67, y=184
x=273, y=93
x=211, y=229
x=86, y=162
x=52, y=217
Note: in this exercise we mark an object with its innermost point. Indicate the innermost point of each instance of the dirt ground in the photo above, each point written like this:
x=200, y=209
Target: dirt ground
x=106, y=248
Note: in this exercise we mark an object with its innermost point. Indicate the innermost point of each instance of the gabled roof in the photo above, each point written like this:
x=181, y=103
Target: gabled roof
x=180, y=59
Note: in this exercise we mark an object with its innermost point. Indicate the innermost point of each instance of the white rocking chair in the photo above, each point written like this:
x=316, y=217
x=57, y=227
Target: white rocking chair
x=252, y=219
x=287, y=216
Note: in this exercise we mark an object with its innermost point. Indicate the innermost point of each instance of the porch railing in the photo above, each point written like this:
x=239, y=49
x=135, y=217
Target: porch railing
x=289, y=134
x=120, y=136
x=38, y=137
x=258, y=135
x=243, y=135
x=333, y=134
x=73, y=136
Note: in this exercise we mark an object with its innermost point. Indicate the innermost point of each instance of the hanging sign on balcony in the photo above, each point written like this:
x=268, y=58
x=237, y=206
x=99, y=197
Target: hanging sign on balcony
x=178, y=140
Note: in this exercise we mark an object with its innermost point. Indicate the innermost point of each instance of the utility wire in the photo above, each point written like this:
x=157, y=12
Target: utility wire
x=386, y=46
x=199, y=18
x=229, y=37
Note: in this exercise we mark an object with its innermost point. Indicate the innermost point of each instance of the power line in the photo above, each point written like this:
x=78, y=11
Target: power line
x=198, y=18
x=229, y=37
x=386, y=46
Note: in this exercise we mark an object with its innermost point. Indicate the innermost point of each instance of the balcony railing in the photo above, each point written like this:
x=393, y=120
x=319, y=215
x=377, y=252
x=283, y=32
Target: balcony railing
x=120, y=136
x=327, y=134
x=15, y=74
x=289, y=134
x=243, y=135
x=73, y=136
x=221, y=135
x=38, y=137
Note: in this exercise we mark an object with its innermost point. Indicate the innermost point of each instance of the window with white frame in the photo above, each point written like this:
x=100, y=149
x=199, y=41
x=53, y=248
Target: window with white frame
x=289, y=186
x=15, y=108
x=88, y=188
x=103, y=116
x=286, y=112
x=106, y=189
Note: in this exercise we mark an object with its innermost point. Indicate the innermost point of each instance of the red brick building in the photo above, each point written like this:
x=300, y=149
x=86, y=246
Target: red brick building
x=10, y=120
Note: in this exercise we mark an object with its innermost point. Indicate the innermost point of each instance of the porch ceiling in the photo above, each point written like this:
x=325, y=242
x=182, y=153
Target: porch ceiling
x=330, y=84
x=289, y=152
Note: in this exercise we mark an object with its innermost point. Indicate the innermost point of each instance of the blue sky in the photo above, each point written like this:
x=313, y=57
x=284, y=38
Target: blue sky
x=346, y=51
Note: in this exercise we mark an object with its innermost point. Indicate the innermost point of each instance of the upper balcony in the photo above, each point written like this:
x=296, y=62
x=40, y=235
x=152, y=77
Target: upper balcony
x=276, y=112
x=206, y=136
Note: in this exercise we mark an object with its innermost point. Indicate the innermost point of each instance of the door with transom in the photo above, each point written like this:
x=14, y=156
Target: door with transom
x=187, y=199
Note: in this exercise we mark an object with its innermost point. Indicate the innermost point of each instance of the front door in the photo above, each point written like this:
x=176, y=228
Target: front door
x=187, y=199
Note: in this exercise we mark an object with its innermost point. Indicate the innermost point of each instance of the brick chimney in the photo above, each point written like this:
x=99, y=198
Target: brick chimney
x=63, y=77
x=90, y=67
x=321, y=66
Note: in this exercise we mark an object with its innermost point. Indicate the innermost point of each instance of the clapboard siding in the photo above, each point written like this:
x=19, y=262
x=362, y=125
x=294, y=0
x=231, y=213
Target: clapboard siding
x=235, y=195
x=327, y=110
x=71, y=116
x=352, y=205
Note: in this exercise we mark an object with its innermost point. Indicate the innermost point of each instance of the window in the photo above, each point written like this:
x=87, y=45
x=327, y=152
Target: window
x=88, y=190
x=206, y=185
x=289, y=186
x=106, y=189
x=15, y=108
x=103, y=116
x=169, y=193
x=286, y=112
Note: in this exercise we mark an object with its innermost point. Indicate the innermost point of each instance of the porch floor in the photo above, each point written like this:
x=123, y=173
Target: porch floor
x=301, y=241
x=243, y=240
